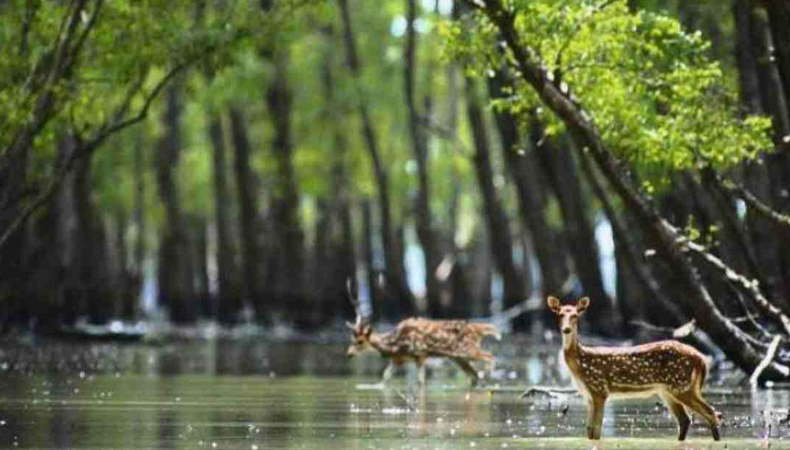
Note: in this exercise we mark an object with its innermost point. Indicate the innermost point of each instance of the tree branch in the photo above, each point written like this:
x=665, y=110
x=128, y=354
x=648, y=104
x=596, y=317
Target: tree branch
x=769, y=356
x=780, y=221
x=86, y=147
x=752, y=286
x=119, y=124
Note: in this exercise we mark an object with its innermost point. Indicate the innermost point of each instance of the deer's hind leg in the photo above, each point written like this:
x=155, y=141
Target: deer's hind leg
x=694, y=400
x=489, y=359
x=682, y=417
x=467, y=367
x=421, y=375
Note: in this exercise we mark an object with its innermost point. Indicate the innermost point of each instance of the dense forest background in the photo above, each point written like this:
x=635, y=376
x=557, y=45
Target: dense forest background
x=239, y=160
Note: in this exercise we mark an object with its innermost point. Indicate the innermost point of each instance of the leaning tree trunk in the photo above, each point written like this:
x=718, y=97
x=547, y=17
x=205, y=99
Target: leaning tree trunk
x=659, y=308
x=396, y=279
x=744, y=351
x=496, y=218
x=176, y=289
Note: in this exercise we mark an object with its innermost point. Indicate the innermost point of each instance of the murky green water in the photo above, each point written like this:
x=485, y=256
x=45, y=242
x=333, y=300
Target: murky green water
x=248, y=394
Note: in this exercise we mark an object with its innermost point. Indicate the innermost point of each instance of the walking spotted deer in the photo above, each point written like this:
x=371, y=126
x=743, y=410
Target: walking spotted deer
x=669, y=369
x=418, y=339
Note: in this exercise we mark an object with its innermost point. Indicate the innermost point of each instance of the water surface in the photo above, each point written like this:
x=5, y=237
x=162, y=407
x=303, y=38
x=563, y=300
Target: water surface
x=257, y=394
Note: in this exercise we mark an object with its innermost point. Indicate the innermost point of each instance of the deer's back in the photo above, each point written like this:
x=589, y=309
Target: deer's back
x=449, y=338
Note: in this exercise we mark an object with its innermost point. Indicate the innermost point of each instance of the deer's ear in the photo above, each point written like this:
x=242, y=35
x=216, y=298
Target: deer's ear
x=350, y=326
x=584, y=302
x=554, y=304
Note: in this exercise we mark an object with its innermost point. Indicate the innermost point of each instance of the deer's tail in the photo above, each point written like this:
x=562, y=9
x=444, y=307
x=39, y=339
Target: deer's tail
x=702, y=366
x=705, y=370
x=487, y=329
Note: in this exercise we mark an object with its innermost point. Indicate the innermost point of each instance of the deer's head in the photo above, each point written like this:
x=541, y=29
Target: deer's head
x=361, y=330
x=569, y=317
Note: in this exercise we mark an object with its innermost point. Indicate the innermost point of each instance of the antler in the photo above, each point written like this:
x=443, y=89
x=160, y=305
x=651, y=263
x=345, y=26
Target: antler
x=354, y=300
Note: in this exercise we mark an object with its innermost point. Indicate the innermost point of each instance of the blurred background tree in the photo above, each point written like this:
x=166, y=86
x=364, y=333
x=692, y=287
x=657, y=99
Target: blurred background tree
x=239, y=160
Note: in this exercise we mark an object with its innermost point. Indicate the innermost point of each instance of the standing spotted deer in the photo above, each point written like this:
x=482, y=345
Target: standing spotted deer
x=669, y=369
x=419, y=339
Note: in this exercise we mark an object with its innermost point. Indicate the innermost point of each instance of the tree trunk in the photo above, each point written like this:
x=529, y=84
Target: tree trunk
x=425, y=231
x=341, y=258
x=748, y=81
x=456, y=297
x=228, y=299
x=460, y=300
x=204, y=297
x=496, y=218
x=477, y=268
x=138, y=271
x=627, y=255
x=125, y=282
x=93, y=260
x=289, y=246
x=522, y=166
x=774, y=97
x=774, y=100
x=779, y=19
x=176, y=290
x=371, y=268
x=246, y=184
x=396, y=279
x=322, y=268
x=558, y=164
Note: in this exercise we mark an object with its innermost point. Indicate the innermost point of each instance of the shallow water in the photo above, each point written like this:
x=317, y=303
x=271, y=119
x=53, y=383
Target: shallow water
x=252, y=394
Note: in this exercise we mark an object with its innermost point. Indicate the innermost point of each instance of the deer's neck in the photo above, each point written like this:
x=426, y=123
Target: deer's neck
x=573, y=353
x=572, y=350
x=383, y=344
x=570, y=343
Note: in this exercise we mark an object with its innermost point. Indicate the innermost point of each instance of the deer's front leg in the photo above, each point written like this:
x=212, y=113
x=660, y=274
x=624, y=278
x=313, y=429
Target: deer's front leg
x=595, y=407
x=389, y=370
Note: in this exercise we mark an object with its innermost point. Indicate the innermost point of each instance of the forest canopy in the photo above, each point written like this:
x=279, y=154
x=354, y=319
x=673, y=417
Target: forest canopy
x=660, y=100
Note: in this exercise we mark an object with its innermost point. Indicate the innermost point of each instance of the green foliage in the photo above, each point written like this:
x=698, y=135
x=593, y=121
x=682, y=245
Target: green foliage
x=651, y=88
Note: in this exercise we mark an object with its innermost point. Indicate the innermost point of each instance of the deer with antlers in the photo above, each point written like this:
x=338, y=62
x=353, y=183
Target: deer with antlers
x=418, y=339
x=672, y=370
